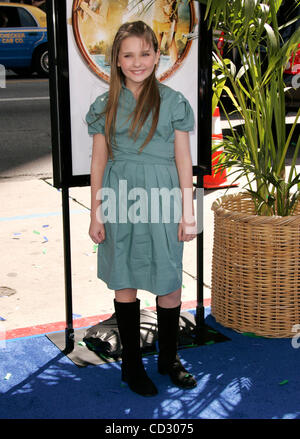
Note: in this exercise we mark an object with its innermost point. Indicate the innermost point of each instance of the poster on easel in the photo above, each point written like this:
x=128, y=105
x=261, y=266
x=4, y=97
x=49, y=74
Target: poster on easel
x=92, y=26
x=80, y=36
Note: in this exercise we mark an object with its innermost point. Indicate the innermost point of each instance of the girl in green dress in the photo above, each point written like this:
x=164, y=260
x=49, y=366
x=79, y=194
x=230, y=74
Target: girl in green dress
x=141, y=147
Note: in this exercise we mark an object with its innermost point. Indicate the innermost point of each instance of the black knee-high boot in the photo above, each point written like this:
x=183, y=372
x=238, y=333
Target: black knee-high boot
x=168, y=359
x=133, y=372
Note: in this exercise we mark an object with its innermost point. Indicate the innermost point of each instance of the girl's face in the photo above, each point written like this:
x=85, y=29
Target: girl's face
x=137, y=61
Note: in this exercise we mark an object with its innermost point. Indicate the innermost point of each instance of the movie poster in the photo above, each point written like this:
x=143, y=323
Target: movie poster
x=92, y=25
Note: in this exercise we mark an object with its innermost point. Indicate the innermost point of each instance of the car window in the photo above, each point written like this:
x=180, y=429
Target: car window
x=9, y=17
x=26, y=19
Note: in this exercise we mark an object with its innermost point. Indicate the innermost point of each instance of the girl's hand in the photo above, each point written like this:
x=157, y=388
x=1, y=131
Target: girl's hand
x=187, y=231
x=97, y=232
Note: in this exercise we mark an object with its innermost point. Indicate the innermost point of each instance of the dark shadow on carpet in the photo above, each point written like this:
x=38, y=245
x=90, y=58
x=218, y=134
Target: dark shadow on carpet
x=101, y=343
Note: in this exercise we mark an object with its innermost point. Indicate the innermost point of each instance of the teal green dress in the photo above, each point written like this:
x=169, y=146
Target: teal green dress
x=141, y=249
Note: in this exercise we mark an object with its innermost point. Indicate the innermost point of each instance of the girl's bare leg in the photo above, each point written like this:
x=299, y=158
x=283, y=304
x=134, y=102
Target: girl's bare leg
x=126, y=295
x=171, y=300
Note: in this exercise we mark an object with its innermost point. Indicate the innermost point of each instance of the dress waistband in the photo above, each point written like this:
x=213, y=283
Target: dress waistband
x=143, y=160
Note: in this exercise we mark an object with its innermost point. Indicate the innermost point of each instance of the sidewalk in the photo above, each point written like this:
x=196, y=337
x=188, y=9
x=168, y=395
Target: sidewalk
x=32, y=289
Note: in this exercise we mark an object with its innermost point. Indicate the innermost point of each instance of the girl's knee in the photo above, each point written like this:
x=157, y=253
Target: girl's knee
x=126, y=295
x=171, y=300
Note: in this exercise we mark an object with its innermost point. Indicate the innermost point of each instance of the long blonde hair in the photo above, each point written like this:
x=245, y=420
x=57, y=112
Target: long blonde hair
x=149, y=97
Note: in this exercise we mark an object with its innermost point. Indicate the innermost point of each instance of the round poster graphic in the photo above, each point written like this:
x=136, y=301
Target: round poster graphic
x=95, y=23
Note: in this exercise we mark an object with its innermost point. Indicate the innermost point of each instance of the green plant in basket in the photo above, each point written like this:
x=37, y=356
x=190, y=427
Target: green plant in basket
x=256, y=88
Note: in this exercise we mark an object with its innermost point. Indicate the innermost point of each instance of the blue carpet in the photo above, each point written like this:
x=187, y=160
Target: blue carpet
x=244, y=378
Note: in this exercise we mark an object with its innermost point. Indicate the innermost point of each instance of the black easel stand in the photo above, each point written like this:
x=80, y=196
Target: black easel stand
x=202, y=333
x=69, y=331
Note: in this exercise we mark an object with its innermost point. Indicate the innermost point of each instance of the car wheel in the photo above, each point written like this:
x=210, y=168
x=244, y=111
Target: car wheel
x=41, y=64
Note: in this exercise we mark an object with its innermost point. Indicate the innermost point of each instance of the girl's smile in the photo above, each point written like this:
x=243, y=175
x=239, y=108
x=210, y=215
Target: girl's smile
x=137, y=59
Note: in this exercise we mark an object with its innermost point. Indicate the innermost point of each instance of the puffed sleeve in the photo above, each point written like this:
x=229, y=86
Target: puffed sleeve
x=182, y=114
x=95, y=117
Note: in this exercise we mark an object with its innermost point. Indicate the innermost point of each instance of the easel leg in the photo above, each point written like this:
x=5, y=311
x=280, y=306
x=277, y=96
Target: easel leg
x=203, y=334
x=200, y=300
x=69, y=331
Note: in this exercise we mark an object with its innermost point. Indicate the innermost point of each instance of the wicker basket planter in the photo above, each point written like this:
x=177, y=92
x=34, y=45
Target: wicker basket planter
x=255, y=268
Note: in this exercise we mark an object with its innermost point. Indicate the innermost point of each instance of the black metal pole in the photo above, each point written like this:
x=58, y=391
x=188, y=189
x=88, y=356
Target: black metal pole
x=199, y=265
x=203, y=156
x=203, y=145
x=69, y=331
x=59, y=87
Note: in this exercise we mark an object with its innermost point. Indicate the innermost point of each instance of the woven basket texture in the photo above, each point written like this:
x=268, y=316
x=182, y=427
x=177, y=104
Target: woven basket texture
x=255, y=268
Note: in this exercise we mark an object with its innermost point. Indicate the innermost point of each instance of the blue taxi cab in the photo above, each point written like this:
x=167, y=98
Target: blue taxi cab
x=23, y=38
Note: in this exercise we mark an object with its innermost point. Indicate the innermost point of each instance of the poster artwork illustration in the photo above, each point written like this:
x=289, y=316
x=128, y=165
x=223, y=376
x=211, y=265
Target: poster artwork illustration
x=95, y=23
